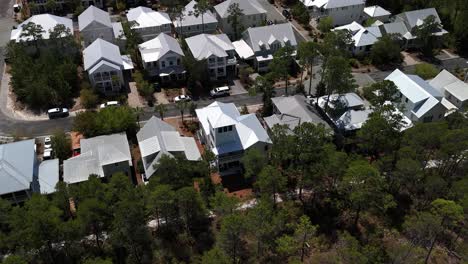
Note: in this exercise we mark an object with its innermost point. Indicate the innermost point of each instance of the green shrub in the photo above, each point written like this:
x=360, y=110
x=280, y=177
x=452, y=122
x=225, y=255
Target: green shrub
x=426, y=71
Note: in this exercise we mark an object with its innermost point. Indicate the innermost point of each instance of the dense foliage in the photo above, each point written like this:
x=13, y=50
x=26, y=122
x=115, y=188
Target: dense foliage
x=43, y=77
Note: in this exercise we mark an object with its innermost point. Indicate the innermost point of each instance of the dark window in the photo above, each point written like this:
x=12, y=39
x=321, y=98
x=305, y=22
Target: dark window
x=230, y=128
x=406, y=100
x=220, y=130
x=224, y=129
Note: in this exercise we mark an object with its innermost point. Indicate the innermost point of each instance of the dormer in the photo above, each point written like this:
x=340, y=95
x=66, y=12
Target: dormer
x=262, y=45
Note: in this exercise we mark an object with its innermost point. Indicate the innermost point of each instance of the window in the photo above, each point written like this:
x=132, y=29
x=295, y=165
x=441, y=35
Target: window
x=178, y=61
x=224, y=129
x=171, y=63
x=406, y=100
x=230, y=128
x=220, y=130
x=163, y=64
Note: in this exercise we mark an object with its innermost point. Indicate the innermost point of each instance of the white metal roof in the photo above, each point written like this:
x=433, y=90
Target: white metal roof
x=146, y=17
x=157, y=138
x=203, y=46
x=362, y=36
x=46, y=21
x=118, y=30
x=101, y=50
x=416, y=17
x=331, y=3
x=445, y=81
x=353, y=119
x=154, y=49
x=243, y=49
x=267, y=35
x=376, y=11
x=93, y=14
x=190, y=19
x=248, y=7
x=95, y=153
x=248, y=128
x=48, y=176
x=17, y=161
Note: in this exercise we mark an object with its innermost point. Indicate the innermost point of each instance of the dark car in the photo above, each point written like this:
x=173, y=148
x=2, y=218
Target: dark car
x=286, y=14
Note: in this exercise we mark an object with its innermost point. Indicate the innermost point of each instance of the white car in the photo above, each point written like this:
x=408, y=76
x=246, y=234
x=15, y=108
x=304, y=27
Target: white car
x=220, y=91
x=47, y=143
x=181, y=98
x=110, y=103
x=57, y=112
x=47, y=154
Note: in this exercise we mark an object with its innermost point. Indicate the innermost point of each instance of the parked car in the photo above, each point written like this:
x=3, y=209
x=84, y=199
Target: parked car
x=47, y=154
x=182, y=98
x=47, y=143
x=110, y=103
x=57, y=112
x=220, y=91
x=286, y=14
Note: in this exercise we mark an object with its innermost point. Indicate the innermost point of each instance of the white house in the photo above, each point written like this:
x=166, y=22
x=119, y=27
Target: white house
x=162, y=56
x=347, y=111
x=260, y=43
x=158, y=138
x=190, y=24
x=363, y=37
x=377, y=13
x=105, y=66
x=453, y=89
x=228, y=134
x=21, y=175
x=254, y=15
x=218, y=52
x=149, y=23
x=421, y=101
x=102, y=156
x=342, y=12
x=46, y=21
x=95, y=23
x=415, y=18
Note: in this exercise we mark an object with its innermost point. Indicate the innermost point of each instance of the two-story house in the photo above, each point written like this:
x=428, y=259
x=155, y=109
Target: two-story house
x=341, y=12
x=376, y=12
x=149, y=23
x=228, y=134
x=262, y=43
x=190, y=24
x=254, y=15
x=21, y=174
x=102, y=156
x=453, y=89
x=162, y=56
x=105, y=66
x=218, y=52
x=415, y=18
x=363, y=37
x=157, y=138
x=95, y=23
x=421, y=102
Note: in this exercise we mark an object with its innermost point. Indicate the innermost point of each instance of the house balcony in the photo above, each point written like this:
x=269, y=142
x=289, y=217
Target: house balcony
x=231, y=61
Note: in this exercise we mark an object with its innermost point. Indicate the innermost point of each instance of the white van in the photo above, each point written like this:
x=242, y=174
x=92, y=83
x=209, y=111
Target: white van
x=220, y=91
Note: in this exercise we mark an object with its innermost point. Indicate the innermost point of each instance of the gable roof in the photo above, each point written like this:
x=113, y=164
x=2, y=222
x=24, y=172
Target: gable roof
x=154, y=49
x=268, y=35
x=331, y=3
x=46, y=21
x=93, y=14
x=147, y=17
x=397, y=27
x=248, y=127
x=48, y=176
x=160, y=138
x=416, y=17
x=190, y=19
x=101, y=50
x=203, y=46
x=376, y=11
x=418, y=91
x=445, y=81
x=362, y=36
x=17, y=166
x=293, y=111
x=95, y=153
x=248, y=7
